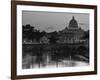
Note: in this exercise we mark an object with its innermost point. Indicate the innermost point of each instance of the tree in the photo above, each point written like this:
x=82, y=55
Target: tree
x=43, y=33
x=86, y=35
x=27, y=31
x=53, y=37
x=82, y=51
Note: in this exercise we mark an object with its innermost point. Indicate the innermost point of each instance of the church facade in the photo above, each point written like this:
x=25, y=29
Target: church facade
x=72, y=33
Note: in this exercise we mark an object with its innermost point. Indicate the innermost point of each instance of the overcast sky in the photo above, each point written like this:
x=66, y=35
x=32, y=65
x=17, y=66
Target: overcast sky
x=53, y=21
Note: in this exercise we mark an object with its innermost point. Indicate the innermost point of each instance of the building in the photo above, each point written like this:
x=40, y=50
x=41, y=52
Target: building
x=72, y=33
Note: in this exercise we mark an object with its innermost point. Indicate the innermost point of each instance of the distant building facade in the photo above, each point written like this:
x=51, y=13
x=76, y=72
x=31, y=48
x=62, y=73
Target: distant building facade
x=72, y=33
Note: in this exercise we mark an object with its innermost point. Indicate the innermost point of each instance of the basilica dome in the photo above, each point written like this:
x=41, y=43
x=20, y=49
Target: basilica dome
x=73, y=23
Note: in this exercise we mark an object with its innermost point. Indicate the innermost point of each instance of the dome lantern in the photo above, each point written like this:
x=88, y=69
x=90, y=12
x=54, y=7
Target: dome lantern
x=73, y=23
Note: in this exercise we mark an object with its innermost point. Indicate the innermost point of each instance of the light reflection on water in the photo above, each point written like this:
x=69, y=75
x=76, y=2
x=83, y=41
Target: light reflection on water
x=30, y=62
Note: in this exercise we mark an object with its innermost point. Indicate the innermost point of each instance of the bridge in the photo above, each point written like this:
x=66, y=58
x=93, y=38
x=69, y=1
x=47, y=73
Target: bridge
x=74, y=45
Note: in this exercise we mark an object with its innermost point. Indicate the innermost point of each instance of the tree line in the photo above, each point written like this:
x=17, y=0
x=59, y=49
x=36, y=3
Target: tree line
x=30, y=33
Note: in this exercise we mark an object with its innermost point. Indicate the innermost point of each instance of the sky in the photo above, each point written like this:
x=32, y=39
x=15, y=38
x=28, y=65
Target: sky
x=53, y=21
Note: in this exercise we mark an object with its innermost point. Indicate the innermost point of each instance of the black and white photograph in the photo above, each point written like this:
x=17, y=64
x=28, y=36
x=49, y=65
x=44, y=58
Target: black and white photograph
x=55, y=39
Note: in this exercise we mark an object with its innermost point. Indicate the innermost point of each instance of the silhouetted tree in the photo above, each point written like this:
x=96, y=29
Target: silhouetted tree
x=53, y=37
x=28, y=31
x=86, y=35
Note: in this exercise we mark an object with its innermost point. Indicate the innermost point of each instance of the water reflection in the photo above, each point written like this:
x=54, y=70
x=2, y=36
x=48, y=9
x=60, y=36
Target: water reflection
x=52, y=56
